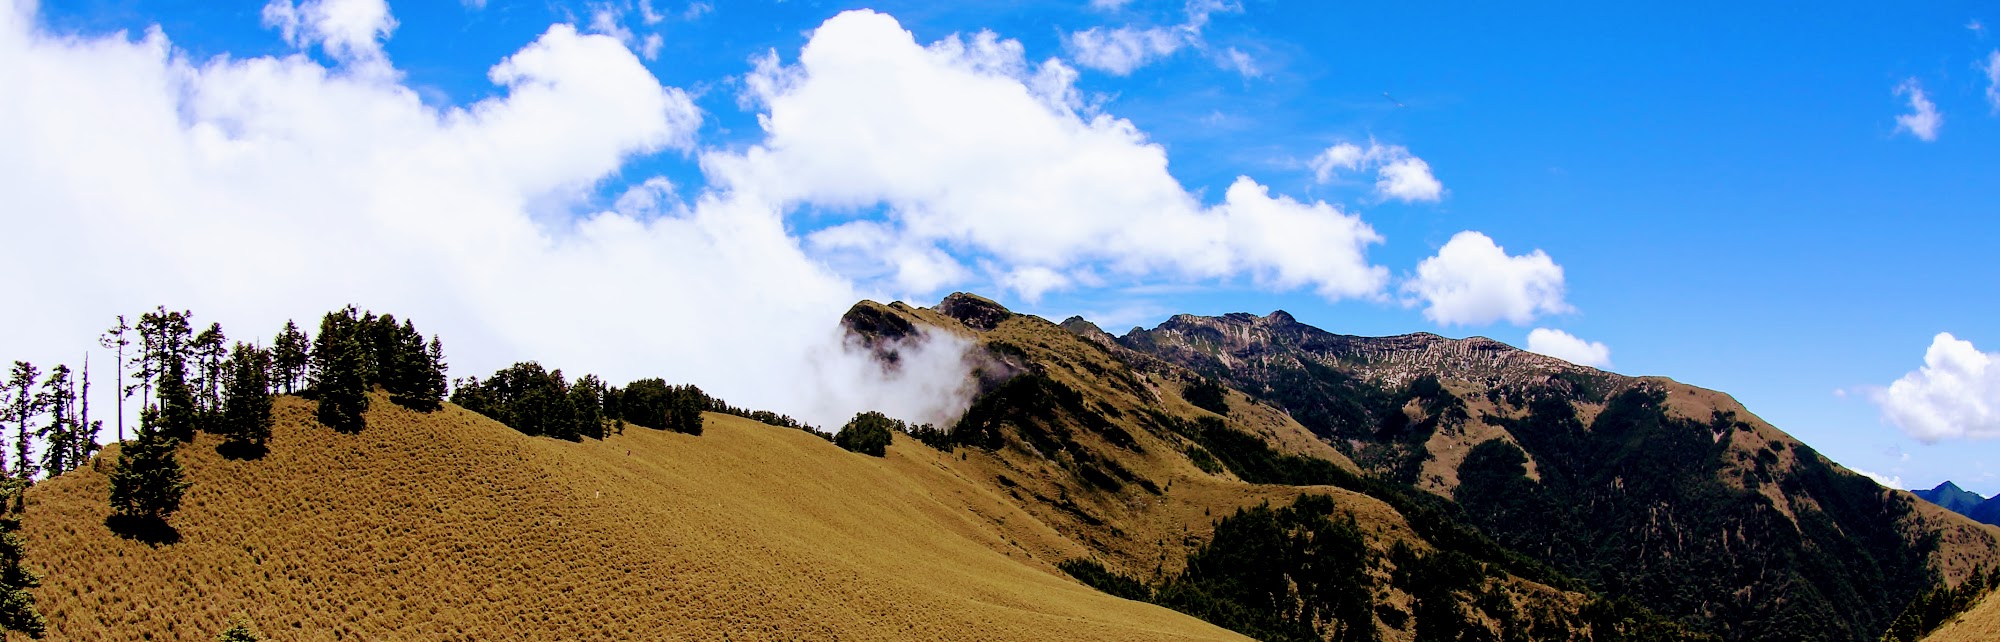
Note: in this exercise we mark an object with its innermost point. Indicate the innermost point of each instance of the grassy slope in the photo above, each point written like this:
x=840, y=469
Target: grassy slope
x=1980, y=624
x=453, y=527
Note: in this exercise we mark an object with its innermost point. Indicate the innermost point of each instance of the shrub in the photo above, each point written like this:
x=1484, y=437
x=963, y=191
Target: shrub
x=867, y=433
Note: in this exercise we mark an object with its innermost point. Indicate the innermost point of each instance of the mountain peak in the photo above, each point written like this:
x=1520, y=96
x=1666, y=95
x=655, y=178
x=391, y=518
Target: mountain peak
x=976, y=312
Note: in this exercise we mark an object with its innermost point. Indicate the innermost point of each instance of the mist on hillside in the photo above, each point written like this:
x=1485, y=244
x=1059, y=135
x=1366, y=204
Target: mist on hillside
x=926, y=380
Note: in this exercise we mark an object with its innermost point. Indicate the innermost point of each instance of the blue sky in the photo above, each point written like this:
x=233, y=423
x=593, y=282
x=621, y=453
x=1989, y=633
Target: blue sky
x=1725, y=188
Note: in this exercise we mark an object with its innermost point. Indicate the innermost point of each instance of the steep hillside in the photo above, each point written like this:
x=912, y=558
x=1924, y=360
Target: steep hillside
x=449, y=526
x=1642, y=487
x=1105, y=446
x=1981, y=624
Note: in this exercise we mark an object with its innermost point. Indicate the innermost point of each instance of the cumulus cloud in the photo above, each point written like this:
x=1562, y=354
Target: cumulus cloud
x=1924, y=120
x=1399, y=175
x=971, y=148
x=256, y=189
x=1473, y=281
x=1565, y=346
x=1955, y=395
x=253, y=190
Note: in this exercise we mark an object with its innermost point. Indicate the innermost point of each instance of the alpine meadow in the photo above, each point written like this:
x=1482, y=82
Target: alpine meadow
x=1077, y=320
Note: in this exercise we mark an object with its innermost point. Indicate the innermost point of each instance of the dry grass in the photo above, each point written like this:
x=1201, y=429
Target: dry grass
x=452, y=527
x=1980, y=624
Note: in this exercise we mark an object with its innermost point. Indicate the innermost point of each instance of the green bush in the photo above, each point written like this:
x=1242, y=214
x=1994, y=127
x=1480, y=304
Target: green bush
x=867, y=433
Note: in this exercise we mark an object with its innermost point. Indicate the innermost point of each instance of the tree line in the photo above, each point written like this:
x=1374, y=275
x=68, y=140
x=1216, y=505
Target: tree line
x=542, y=402
x=187, y=381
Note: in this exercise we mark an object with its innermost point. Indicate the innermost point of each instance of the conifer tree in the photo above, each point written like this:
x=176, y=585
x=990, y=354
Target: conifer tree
x=116, y=339
x=22, y=407
x=288, y=357
x=163, y=337
x=414, y=382
x=437, y=387
x=206, y=356
x=178, y=413
x=246, y=413
x=17, y=603
x=148, y=483
x=58, y=401
x=339, y=372
x=84, y=442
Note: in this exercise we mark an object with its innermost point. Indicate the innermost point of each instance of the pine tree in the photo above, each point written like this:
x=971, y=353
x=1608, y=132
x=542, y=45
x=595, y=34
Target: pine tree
x=165, y=339
x=116, y=339
x=84, y=442
x=288, y=357
x=58, y=400
x=17, y=603
x=339, y=372
x=178, y=413
x=413, y=382
x=148, y=483
x=22, y=407
x=246, y=411
x=436, y=386
x=206, y=354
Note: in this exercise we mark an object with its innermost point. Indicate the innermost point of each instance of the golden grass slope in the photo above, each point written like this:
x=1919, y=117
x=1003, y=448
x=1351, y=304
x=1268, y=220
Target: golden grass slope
x=1979, y=624
x=453, y=527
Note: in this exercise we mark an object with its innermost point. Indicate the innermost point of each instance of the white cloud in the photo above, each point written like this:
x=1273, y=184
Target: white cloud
x=1119, y=51
x=1399, y=174
x=1992, y=69
x=1234, y=59
x=1565, y=346
x=1885, y=480
x=650, y=47
x=973, y=149
x=1473, y=281
x=696, y=10
x=348, y=31
x=1109, y=5
x=1924, y=119
x=1956, y=394
x=648, y=14
x=256, y=189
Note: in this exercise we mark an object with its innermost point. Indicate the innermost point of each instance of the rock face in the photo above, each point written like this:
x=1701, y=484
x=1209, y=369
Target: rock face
x=1236, y=340
x=976, y=312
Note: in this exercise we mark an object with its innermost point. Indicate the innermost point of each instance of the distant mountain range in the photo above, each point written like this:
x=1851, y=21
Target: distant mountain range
x=1963, y=502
